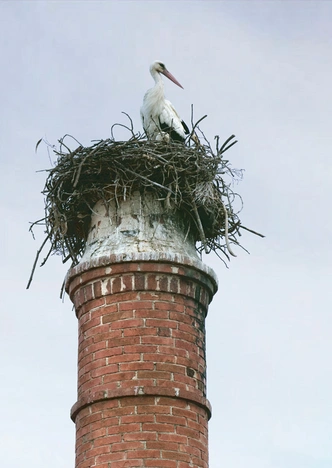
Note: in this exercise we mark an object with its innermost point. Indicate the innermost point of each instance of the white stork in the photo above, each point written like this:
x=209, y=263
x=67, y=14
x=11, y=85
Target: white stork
x=159, y=118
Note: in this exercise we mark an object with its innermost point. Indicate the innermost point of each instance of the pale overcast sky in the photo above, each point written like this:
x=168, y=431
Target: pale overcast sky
x=259, y=69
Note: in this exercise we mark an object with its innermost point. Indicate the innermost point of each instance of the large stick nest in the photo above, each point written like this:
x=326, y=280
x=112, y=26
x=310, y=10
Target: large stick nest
x=191, y=178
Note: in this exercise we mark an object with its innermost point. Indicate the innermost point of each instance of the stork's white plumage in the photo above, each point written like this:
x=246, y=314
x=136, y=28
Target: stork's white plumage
x=159, y=118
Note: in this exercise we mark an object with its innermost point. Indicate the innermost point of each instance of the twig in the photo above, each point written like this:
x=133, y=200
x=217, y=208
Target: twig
x=226, y=231
x=36, y=260
x=250, y=230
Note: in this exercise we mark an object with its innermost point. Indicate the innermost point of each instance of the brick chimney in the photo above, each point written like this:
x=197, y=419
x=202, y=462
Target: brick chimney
x=141, y=295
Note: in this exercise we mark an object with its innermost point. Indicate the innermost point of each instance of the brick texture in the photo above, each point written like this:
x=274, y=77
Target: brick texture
x=141, y=365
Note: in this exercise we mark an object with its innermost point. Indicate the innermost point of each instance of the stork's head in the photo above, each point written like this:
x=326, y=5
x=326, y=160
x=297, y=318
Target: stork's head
x=159, y=67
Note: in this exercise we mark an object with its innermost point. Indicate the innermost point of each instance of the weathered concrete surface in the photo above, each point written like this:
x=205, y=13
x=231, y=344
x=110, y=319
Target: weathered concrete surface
x=139, y=224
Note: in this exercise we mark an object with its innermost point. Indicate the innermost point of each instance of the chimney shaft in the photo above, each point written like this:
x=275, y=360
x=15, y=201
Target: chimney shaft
x=141, y=359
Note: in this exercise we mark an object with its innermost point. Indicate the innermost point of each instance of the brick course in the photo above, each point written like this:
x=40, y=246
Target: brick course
x=141, y=364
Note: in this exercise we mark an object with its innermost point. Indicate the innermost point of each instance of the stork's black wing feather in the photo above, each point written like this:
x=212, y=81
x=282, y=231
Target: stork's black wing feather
x=171, y=132
x=185, y=127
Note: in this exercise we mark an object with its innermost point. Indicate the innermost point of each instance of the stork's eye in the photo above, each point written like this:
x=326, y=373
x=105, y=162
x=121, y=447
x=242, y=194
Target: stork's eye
x=162, y=66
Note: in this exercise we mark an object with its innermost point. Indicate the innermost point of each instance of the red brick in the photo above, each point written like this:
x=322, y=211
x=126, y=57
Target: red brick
x=180, y=317
x=135, y=400
x=155, y=427
x=120, y=411
x=139, y=348
x=92, y=274
x=166, y=445
x=192, y=348
x=186, y=362
x=186, y=413
x=151, y=435
x=174, y=285
x=197, y=444
x=163, y=331
x=102, y=336
x=127, y=282
x=109, y=352
x=94, y=347
x=144, y=454
x=124, y=358
x=97, y=433
x=166, y=367
x=191, y=338
x=193, y=451
x=121, y=296
x=125, y=446
x=95, y=385
x=147, y=409
x=139, y=282
x=126, y=366
x=139, y=418
x=162, y=463
x=150, y=267
x=185, y=465
x=179, y=439
x=135, y=305
x=185, y=380
x=83, y=432
x=148, y=295
x=139, y=331
x=94, y=331
x=163, y=306
x=85, y=360
x=194, y=425
x=108, y=440
x=114, y=316
x=84, y=447
x=116, y=456
x=84, y=315
x=137, y=383
x=130, y=427
x=90, y=418
x=116, y=285
x=111, y=423
x=152, y=282
x=125, y=267
x=198, y=462
x=88, y=463
x=103, y=370
x=104, y=310
x=160, y=340
x=163, y=283
x=128, y=323
x=162, y=418
x=94, y=452
x=88, y=293
x=97, y=292
x=178, y=456
x=126, y=464
x=156, y=322
x=118, y=376
x=146, y=374
x=166, y=400
x=173, y=350
x=187, y=432
x=162, y=314
x=107, y=408
x=123, y=341
x=103, y=465
x=159, y=357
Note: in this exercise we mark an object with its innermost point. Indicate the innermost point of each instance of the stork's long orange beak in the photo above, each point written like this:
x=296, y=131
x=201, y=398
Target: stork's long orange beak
x=171, y=77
